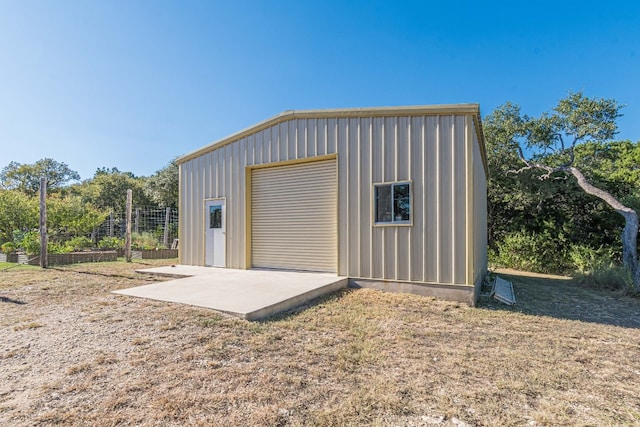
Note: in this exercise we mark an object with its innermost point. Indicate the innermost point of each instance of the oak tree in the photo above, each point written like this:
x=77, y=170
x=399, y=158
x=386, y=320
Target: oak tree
x=546, y=147
x=26, y=177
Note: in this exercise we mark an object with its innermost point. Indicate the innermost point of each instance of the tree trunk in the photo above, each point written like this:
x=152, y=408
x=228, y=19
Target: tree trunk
x=630, y=231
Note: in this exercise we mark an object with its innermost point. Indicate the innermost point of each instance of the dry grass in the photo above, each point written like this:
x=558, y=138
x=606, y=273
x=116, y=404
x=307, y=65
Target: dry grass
x=565, y=355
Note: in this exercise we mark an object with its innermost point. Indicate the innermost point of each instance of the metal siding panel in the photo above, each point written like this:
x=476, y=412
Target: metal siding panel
x=185, y=213
x=194, y=242
x=258, y=148
x=250, y=150
x=344, y=222
x=459, y=202
x=217, y=173
x=364, y=196
x=310, y=137
x=266, y=145
x=284, y=141
x=191, y=216
x=417, y=175
x=403, y=252
x=445, y=199
x=233, y=201
x=237, y=198
x=211, y=175
x=480, y=212
x=274, y=145
x=403, y=160
x=301, y=139
x=377, y=164
x=377, y=153
x=321, y=127
x=206, y=174
x=291, y=140
x=294, y=216
x=389, y=174
x=403, y=173
x=389, y=149
x=353, y=201
x=332, y=136
x=431, y=188
x=195, y=235
x=389, y=261
x=198, y=237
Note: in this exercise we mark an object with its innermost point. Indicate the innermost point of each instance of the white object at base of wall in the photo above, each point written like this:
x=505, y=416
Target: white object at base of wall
x=503, y=291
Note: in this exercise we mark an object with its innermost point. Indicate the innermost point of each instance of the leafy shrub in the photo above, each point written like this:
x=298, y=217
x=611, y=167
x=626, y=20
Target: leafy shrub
x=587, y=259
x=540, y=252
x=80, y=243
x=111, y=243
x=71, y=216
x=8, y=248
x=597, y=268
x=145, y=241
x=30, y=242
x=58, y=248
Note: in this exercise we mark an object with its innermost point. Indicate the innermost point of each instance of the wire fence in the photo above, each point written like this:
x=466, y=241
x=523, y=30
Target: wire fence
x=161, y=224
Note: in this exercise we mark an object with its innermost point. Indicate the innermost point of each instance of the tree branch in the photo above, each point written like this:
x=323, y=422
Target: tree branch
x=529, y=165
x=601, y=194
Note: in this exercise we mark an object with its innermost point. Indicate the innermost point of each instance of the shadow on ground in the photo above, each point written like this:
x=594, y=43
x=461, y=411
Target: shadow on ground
x=562, y=298
x=12, y=301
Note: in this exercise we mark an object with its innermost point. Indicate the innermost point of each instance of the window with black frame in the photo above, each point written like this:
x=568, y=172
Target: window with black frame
x=392, y=203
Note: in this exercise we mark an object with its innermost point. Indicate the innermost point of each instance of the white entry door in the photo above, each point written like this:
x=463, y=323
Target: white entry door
x=215, y=233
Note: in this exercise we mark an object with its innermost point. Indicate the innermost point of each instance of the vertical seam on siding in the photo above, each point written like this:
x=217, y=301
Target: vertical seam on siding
x=424, y=200
x=231, y=159
x=358, y=193
x=470, y=217
x=326, y=136
x=411, y=195
x=315, y=136
x=437, y=209
x=383, y=232
x=295, y=135
x=371, y=202
x=348, y=179
x=454, y=178
x=396, y=231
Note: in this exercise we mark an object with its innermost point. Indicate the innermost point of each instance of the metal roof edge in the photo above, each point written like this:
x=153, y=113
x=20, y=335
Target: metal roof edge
x=286, y=115
x=477, y=118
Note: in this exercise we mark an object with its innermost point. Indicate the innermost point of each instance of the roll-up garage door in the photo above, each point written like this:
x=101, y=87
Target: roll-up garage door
x=293, y=210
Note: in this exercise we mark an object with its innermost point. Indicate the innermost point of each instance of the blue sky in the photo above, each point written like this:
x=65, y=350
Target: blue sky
x=132, y=84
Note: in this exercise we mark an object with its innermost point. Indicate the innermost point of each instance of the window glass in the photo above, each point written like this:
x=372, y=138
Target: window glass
x=392, y=203
x=401, y=202
x=383, y=203
x=215, y=216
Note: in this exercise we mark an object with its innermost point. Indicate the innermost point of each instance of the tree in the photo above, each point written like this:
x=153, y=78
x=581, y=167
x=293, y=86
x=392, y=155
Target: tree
x=26, y=177
x=162, y=186
x=108, y=190
x=18, y=212
x=70, y=217
x=546, y=147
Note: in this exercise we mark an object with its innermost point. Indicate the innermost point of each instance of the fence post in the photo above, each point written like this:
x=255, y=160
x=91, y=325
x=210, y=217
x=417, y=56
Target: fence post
x=127, y=239
x=44, y=239
x=136, y=221
x=111, y=224
x=167, y=218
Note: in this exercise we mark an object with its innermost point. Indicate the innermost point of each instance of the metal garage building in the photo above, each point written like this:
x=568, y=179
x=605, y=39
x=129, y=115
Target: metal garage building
x=393, y=198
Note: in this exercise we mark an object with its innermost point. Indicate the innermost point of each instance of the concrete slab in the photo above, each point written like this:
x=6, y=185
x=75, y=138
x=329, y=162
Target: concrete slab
x=250, y=294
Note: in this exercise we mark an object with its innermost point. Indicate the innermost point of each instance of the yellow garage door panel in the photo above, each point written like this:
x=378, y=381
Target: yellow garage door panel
x=294, y=224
